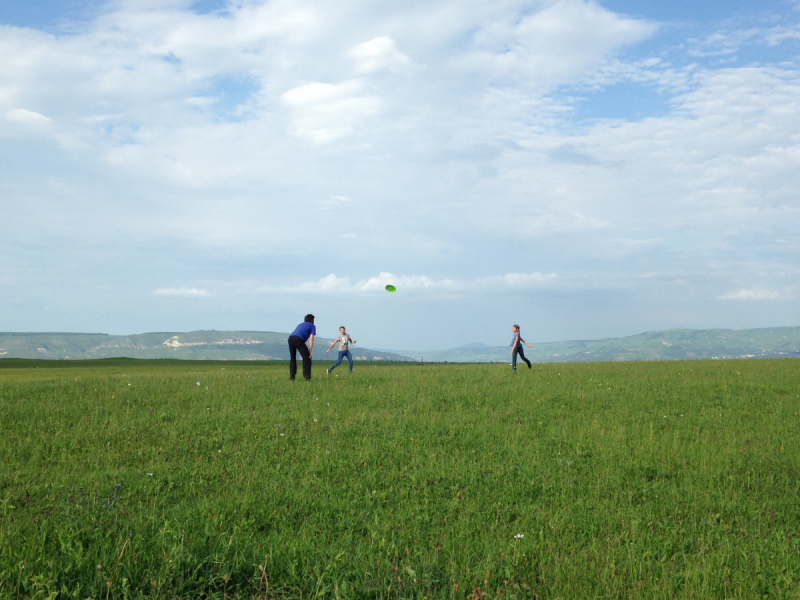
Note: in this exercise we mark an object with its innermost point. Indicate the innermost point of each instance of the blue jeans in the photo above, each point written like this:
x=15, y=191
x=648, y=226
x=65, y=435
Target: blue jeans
x=342, y=354
x=518, y=350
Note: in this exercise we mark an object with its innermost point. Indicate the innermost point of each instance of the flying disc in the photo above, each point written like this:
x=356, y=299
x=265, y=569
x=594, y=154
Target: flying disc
x=391, y=288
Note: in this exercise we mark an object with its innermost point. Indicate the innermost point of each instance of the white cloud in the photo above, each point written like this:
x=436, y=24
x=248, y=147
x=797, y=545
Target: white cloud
x=377, y=54
x=520, y=281
x=565, y=41
x=332, y=203
x=201, y=101
x=333, y=284
x=779, y=35
x=324, y=112
x=182, y=292
x=751, y=294
x=27, y=117
x=728, y=42
x=318, y=93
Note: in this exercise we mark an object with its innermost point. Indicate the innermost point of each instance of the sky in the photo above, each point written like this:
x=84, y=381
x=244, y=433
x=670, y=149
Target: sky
x=584, y=169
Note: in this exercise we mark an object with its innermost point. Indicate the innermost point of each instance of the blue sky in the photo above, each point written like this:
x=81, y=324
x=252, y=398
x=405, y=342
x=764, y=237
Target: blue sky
x=587, y=169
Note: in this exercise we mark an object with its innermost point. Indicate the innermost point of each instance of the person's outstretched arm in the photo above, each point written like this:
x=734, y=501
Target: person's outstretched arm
x=310, y=345
x=526, y=343
x=352, y=341
x=333, y=343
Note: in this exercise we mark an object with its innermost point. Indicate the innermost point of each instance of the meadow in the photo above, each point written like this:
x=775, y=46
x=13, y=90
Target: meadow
x=162, y=479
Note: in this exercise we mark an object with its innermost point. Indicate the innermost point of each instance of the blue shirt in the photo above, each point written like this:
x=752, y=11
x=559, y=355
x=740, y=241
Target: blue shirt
x=514, y=339
x=304, y=330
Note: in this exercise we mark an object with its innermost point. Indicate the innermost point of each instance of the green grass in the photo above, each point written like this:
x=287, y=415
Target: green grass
x=632, y=480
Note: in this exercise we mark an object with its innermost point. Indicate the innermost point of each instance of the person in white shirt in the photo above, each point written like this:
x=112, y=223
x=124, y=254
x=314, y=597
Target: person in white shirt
x=344, y=342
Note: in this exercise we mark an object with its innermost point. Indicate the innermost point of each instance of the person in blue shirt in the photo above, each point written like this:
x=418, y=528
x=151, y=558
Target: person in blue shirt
x=516, y=348
x=297, y=343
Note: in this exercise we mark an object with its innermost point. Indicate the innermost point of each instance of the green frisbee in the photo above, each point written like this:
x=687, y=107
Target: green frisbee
x=391, y=288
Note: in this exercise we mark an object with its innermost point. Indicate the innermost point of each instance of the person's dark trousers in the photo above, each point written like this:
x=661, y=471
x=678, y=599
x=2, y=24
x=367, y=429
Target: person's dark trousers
x=517, y=350
x=296, y=344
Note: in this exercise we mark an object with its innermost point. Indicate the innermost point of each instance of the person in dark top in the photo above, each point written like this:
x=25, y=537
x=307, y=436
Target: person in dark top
x=297, y=343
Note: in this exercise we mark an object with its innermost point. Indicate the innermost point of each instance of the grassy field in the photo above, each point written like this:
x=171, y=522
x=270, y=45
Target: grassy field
x=126, y=479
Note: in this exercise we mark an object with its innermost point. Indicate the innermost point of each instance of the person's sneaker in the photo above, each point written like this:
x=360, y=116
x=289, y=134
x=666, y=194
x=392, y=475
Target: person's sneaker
x=327, y=371
x=529, y=365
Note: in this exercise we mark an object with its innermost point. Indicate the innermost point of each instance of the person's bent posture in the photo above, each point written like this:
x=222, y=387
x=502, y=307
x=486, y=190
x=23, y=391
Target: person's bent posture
x=344, y=341
x=303, y=333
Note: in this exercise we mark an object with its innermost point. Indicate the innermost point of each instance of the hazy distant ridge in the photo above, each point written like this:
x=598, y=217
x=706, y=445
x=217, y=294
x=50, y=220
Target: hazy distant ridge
x=194, y=345
x=260, y=345
x=672, y=344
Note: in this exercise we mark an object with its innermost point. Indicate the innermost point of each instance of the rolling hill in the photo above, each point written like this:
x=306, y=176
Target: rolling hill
x=194, y=345
x=672, y=344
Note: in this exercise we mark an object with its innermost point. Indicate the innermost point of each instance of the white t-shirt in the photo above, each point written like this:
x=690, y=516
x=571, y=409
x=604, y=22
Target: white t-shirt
x=344, y=342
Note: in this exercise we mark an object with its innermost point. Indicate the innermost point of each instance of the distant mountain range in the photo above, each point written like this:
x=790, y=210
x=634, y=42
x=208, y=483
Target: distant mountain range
x=262, y=345
x=195, y=345
x=672, y=344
